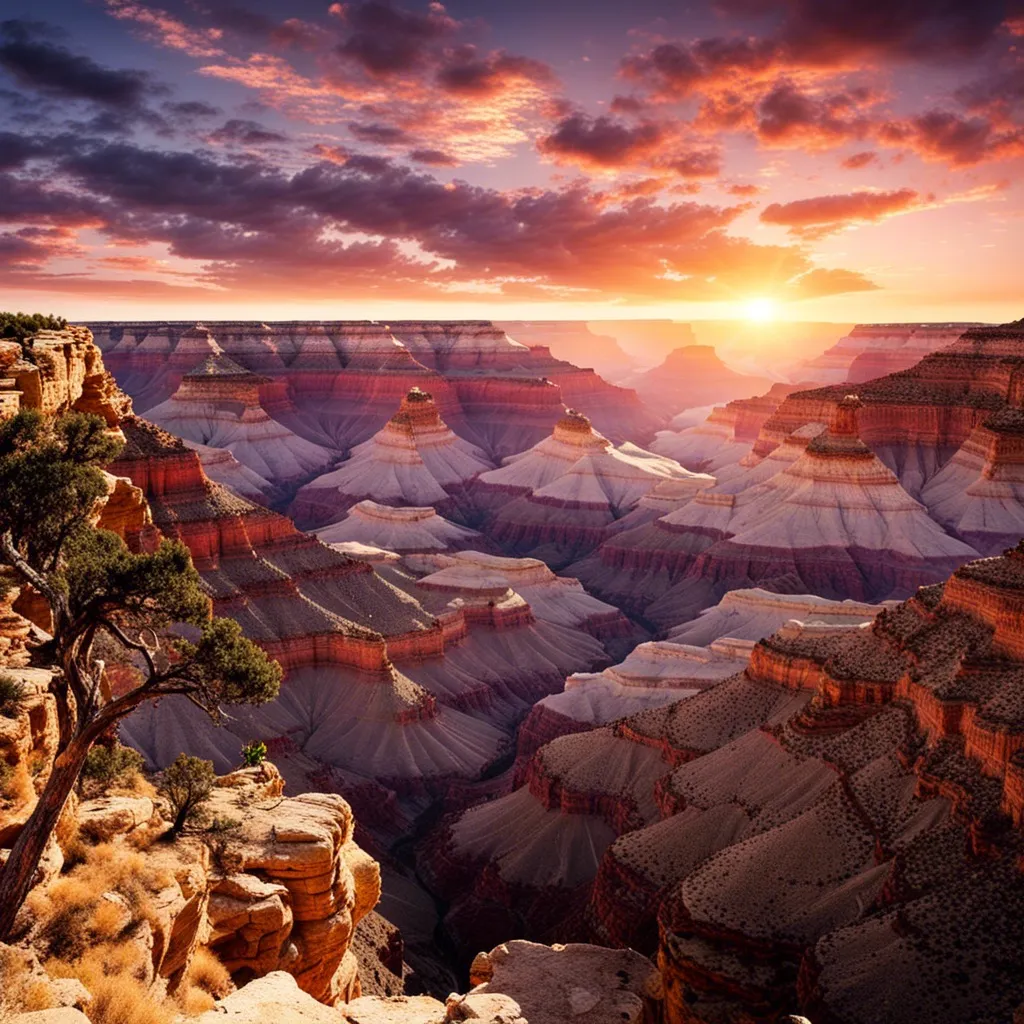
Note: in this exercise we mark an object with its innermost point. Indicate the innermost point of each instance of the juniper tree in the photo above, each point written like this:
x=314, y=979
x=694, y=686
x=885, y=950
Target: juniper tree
x=51, y=486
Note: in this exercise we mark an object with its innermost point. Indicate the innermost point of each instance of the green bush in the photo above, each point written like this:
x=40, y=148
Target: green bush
x=187, y=784
x=13, y=696
x=21, y=326
x=109, y=765
x=254, y=754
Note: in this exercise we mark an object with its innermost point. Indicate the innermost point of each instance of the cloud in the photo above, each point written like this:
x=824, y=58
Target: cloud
x=602, y=141
x=856, y=161
x=837, y=31
x=948, y=137
x=607, y=143
x=824, y=215
x=384, y=40
x=239, y=132
x=432, y=158
x=161, y=27
x=370, y=225
x=36, y=63
x=384, y=134
x=788, y=116
x=465, y=73
x=819, y=283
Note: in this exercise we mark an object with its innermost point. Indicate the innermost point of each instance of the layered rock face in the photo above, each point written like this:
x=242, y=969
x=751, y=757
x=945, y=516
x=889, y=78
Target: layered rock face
x=405, y=531
x=338, y=382
x=842, y=827
x=532, y=853
x=60, y=371
x=833, y=521
x=218, y=405
x=574, y=341
x=415, y=460
x=331, y=621
x=693, y=376
x=979, y=494
x=916, y=420
x=557, y=499
x=725, y=436
x=874, y=350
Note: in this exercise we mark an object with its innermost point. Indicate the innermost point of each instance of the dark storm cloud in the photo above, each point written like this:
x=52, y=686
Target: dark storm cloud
x=602, y=141
x=37, y=63
x=386, y=40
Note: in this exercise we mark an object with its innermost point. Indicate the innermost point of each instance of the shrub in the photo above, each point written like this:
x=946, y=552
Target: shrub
x=107, y=766
x=13, y=696
x=16, y=787
x=22, y=326
x=254, y=754
x=187, y=784
x=207, y=973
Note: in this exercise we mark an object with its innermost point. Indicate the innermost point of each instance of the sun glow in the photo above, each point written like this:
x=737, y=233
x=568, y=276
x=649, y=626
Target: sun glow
x=760, y=310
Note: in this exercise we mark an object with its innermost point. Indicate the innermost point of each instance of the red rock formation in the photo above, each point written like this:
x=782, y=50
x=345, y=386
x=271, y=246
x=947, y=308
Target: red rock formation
x=848, y=793
x=915, y=420
x=343, y=379
x=415, y=460
x=874, y=350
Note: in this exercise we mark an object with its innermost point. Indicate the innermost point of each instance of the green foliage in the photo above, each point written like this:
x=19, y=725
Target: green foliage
x=225, y=667
x=101, y=576
x=187, y=784
x=13, y=696
x=110, y=765
x=22, y=326
x=51, y=480
x=219, y=825
x=254, y=754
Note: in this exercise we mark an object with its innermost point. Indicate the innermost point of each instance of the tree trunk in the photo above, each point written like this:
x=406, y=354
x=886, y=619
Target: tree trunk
x=18, y=873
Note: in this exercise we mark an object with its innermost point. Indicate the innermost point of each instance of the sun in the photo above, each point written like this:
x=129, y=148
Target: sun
x=760, y=310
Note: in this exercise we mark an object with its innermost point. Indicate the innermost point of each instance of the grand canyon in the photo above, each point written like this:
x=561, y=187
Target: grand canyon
x=499, y=524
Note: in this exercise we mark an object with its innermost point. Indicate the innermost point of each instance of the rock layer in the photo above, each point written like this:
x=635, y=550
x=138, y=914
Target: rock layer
x=415, y=460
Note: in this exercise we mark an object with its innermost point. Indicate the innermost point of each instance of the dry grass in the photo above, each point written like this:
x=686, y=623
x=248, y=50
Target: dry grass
x=73, y=912
x=16, y=789
x=120, y=1000
x=206, y=972
x=193, y=1001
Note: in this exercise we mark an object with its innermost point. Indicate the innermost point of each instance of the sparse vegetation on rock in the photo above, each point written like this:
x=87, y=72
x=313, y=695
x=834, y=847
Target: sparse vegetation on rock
x=50, y=485
x=187, y=784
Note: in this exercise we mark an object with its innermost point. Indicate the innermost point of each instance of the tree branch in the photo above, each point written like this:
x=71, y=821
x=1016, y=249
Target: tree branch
x=27, y=573
x=135, y=645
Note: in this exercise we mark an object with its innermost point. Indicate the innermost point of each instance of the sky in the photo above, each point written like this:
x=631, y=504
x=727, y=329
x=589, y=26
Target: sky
x=845, y=160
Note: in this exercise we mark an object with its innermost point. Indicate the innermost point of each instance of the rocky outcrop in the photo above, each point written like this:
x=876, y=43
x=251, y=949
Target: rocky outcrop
x=870, y=351
x=556, y=500
x=725, y=436
x=405, y=531
x=979, y=494
x=693, y=376
x=219, y=404
x=415, y=460
x=834, y=522
x=916, y=420
x=841, y=798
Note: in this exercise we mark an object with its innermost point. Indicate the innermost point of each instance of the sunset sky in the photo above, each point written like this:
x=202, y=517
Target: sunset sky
x=804, y=159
